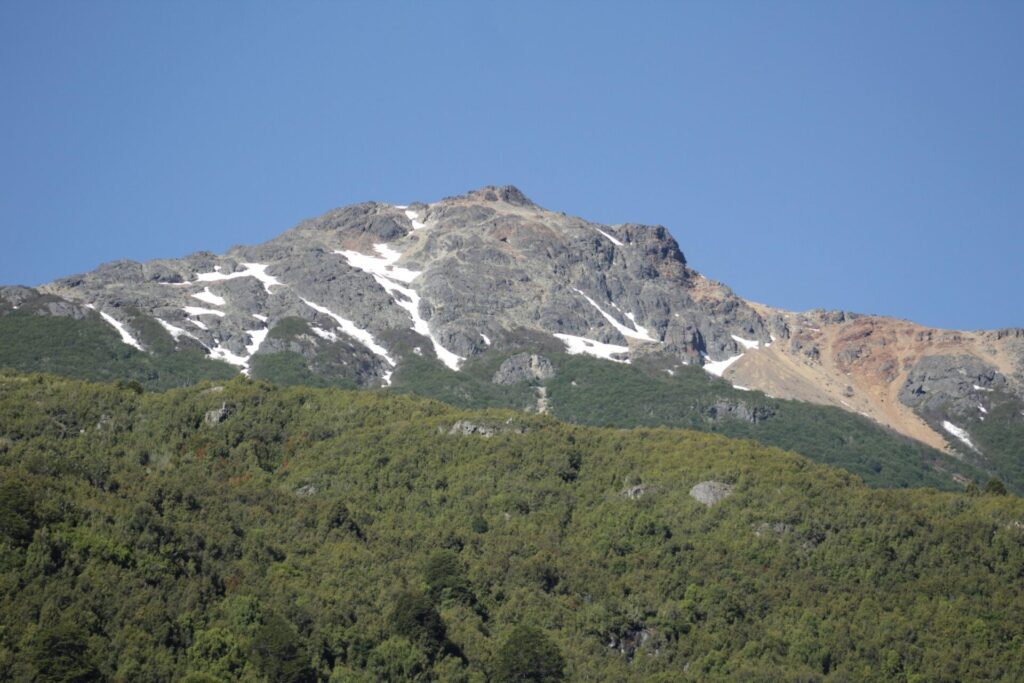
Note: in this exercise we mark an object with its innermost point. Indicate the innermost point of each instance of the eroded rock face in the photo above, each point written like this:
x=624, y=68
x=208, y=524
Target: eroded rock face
x=949, y=384
x=711, y=492
x=486, y=430
x=524, y=367
x=739, y=410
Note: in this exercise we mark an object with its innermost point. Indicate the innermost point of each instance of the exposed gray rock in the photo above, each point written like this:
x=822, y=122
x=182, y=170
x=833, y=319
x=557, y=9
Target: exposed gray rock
x=524, y=367
x=710, y=492
x=739, y=410
x=777, y=528
x=468, y=428
x=950, y=384
x=637, y=491
x=630, y=640
x=217, y=415
x=306, y=491
x=490, y=262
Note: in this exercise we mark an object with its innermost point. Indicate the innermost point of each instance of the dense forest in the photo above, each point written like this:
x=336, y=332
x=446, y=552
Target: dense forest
x=245, y=531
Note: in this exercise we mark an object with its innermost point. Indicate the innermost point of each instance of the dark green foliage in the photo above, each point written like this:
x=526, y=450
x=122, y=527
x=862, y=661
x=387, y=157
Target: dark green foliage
x=528, y=655
x=278, y=651
x=91, y=349
x=470, y=387
x=999, y=436
x=995, y=487
x=414, y=617
x=446, y=578
x=595, y=392
x=286, y=328
x=17, y=513
x=348, y=536
x=289, y=369
x=61, y=654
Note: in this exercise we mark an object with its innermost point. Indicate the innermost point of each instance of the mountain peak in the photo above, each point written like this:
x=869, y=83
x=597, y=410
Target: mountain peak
x=510, y=194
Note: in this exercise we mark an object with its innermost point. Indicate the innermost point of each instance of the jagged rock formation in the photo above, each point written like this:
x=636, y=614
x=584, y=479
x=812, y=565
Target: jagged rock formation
x=524, y=367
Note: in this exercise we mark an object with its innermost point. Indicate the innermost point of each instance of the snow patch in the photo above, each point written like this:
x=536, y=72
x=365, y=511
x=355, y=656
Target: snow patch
x=982, y=409
x=388, y=276
x=349, y=328
x=737, y=386
x=980, y=388
x=256, y=270
x=177, y=332
x=196, y=310
x=126, y=336
x=198, y=323
x=324, y=334
x=415, y=219
x=717, y=367
x=383, y=265
x=261, y=318
x=610, y=237
x=638, y=333
x=747, y=343
x=208, y=297
x=486, y=339
x=670, y=371
x=581, y=345
x=256, y=338
x=958, y=433
x=221, y=353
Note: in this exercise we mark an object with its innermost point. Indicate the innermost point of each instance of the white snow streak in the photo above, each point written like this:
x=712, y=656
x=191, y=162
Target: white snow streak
x=177, y=332
x=221, y=353
x=382, y=265
x=261, y=318
x=208, y=297
x=324, y=334
x=980, y=388
x=201, y=325
x=196, y=310
x=717, y=367
x=487, y=340
x=581, y=345
x=348, y=327
x=958, y=433
x=256, y=270
x=389, y=276
x=747, y=343
x=982, y=409
x=415, y=218
x=639, y=333
x=126, y=336
x=257, y=337
x=610, y=238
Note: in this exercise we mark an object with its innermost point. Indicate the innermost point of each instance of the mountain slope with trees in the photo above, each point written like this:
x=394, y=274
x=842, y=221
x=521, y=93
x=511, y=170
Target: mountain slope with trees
x=243, y=531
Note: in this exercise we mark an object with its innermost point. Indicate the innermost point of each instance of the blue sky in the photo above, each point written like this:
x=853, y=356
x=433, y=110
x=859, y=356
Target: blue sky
x=866, y=156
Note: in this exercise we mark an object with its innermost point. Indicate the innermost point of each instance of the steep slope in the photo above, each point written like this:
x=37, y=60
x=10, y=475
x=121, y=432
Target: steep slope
x=241, y=531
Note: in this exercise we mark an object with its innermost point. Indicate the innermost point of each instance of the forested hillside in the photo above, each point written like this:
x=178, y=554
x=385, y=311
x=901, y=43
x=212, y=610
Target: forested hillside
x=243, y=531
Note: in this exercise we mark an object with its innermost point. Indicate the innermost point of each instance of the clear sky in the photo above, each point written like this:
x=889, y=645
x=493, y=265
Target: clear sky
x=864, y=156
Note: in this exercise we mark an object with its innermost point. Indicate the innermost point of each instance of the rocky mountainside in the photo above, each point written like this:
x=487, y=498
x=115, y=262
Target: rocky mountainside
x=363, y=290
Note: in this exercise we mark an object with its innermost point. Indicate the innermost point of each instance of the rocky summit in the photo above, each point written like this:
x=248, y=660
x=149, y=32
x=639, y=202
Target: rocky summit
x=361, y=291
x=447, y=279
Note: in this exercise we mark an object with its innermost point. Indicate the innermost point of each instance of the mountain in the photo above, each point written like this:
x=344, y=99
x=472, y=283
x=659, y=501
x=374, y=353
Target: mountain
x=438, y=298
x=239, y=531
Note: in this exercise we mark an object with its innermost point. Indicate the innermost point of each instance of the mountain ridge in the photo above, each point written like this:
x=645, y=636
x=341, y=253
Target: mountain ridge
x=367, y=286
